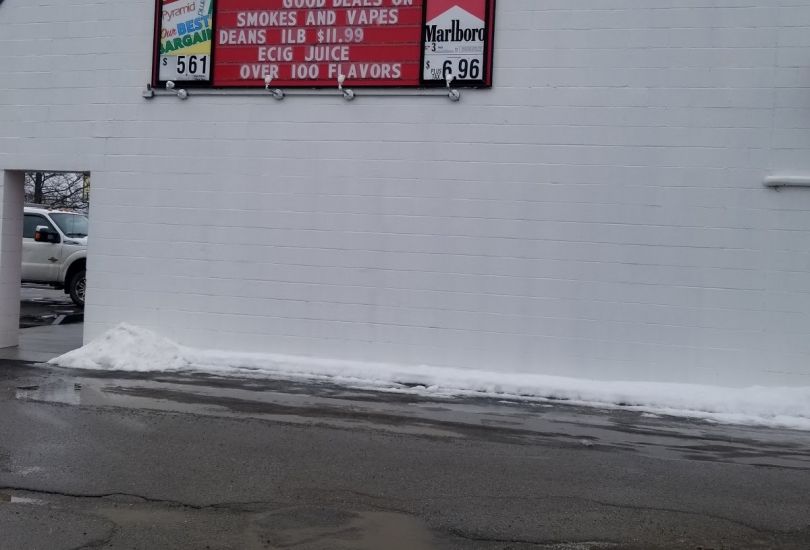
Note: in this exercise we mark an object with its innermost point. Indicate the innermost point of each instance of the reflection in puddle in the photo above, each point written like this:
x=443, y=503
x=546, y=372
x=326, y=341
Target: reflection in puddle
x=294, y=527
x=11, y=499
x=332, y=528
x=533, y=423
x=391, y=531
x=58, y=393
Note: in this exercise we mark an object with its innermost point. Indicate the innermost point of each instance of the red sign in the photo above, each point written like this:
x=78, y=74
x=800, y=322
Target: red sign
x=317, y=43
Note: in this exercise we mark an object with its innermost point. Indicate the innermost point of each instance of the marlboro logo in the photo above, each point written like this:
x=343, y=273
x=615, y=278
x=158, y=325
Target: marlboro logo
x=456, y=21
x=455, y=33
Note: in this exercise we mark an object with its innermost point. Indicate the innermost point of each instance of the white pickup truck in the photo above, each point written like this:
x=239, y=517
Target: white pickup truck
x=54, y=250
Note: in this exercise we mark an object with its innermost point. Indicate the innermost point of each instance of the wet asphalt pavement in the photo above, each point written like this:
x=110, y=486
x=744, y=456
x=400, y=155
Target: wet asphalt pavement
x=112, y=460
x=42, y=305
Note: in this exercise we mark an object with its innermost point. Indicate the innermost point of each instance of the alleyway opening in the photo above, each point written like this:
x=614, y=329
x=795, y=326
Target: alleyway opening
x=43, y=249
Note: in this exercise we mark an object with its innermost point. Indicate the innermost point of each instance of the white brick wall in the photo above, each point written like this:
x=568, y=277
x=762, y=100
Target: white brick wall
x=599, y=213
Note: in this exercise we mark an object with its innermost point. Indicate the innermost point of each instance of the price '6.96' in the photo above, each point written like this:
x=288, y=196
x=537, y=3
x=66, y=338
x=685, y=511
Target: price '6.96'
x=462, y=69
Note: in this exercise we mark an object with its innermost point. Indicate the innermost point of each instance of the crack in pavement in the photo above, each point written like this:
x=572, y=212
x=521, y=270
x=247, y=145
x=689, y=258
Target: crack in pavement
x=641, y=508
x=482, y=538
x=102, y=496
x=584, y=545
x=245, y=506
x=676, y=511
x=372, y=501
x=236, y=506
x=251, y=506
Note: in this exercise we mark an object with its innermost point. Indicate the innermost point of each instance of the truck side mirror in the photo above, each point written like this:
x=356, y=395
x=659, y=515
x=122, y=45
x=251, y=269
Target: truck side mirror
x=43, y=234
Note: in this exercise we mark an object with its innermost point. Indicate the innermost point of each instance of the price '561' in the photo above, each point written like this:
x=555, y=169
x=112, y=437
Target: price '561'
x=192, y=64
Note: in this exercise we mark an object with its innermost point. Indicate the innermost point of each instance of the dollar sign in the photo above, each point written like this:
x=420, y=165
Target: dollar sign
x=320, y=36
x=427, y=65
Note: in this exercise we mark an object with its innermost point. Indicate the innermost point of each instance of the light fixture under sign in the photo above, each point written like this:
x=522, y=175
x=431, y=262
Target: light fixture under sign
x=170, y=89
x=452, y=93
x=278, y=93
x=348, y=94
x=181, y=93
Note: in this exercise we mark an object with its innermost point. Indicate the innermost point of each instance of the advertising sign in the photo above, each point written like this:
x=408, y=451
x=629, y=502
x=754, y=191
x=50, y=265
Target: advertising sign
x=186, y=33
x=455, y=37
x=313, y=43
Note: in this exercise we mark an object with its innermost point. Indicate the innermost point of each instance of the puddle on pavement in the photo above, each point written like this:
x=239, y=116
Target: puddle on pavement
x=57, y=393
x=6, y=498
x=169, y=397
x=257, y=526
x=328, y=528
x=533, y=423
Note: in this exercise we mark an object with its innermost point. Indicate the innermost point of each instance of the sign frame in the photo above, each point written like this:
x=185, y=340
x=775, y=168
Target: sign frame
x=484, y=83
x=156, y=81
x=487, y=66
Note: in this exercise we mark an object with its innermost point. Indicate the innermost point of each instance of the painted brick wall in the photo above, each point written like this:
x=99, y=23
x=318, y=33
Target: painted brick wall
x=11, y=219
x=599, y=213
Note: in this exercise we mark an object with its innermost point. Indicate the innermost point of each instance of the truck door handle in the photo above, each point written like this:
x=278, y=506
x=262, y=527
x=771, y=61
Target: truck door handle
x=53, y=259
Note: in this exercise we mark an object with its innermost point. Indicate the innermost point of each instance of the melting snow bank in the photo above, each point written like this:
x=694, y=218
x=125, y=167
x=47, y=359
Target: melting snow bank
x=132, y=348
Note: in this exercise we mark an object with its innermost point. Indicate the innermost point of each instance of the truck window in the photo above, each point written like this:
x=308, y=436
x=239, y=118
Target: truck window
x=30, y=223
x=72, y=225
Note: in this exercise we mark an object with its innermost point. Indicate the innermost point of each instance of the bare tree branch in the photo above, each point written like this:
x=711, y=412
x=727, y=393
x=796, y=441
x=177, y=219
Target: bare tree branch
x=69, y=190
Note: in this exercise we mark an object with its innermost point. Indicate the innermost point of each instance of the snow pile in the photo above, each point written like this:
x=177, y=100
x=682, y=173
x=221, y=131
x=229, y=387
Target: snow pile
x=126, y=347
x=135, y=349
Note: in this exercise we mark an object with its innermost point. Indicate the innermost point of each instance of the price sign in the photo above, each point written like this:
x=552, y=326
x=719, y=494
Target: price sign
x=455, y=40
x=186, y=34
x=185, y=67
x=341, y=35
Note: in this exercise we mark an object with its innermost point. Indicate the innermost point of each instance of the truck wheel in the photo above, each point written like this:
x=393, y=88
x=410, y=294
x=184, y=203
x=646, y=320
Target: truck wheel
x=77, y=286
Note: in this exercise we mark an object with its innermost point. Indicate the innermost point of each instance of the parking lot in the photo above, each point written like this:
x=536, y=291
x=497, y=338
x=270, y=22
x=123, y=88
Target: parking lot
x=43, y=305
x=145, y=460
